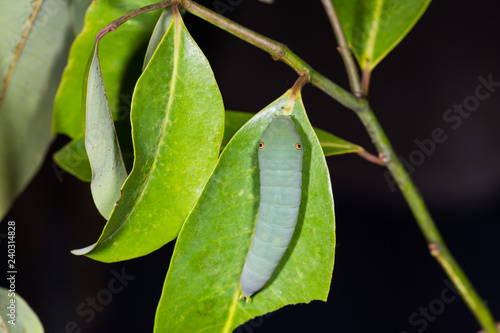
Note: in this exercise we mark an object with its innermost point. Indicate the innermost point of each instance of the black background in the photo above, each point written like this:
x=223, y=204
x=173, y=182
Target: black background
x=383, y=271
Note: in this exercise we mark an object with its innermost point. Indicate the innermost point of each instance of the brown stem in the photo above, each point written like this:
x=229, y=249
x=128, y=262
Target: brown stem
x=371, y=158
x=297, y=87
x=119, y=21
x=365, y=79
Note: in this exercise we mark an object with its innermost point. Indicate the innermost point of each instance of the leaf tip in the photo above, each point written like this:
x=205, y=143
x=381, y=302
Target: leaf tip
x=84, y=250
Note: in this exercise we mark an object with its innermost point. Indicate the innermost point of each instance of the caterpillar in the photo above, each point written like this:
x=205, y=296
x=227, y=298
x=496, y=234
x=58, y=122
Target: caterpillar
x=280, y=164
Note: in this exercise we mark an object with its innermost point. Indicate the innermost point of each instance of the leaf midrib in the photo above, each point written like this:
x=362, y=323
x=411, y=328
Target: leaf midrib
x=370, y=44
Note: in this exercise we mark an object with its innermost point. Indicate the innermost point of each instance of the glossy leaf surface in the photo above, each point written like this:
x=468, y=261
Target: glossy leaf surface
x=202, y=287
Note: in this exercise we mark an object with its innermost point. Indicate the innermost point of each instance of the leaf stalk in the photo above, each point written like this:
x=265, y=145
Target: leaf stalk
x=119, y=21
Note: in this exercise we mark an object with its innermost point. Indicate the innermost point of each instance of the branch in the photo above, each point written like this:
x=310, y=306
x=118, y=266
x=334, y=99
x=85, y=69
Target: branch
x=343, y=48
x=424, y=220
x=277, y=51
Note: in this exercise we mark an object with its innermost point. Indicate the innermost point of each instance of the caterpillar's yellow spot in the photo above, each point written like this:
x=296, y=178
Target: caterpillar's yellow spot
x=298, y=145
x=261, y=145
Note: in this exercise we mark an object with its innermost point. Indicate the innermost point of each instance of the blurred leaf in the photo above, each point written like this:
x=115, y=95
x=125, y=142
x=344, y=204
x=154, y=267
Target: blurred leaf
x=331, y=144
x=73, y=159
x=25, y=319
x=203, y=281
x=78, y=9
x=30, y=71
x=116, y=52
x=177, y=125
x=101, y=142
x=233, y=122
x=374, y=27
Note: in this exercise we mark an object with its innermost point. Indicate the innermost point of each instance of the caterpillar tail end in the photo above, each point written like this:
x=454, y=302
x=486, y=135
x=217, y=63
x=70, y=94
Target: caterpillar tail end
x=247, y=298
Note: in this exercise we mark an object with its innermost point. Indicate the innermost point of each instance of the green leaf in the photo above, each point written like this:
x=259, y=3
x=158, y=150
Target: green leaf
x=374, y=27
x=177, y=126
x=116, y=52
x=73, y=159
x=29, y=73
x=101, y=142
x=331, y=144
x=158, y=33
x=203, y=281
x=25, y=319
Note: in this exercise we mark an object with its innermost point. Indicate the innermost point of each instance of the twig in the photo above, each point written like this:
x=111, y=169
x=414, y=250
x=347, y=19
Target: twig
x=119, y=21
x=278, y=51
x=343, y=48
x=371, y=158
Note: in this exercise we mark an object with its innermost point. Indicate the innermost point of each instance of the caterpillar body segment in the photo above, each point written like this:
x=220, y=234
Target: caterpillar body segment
x=280, y=164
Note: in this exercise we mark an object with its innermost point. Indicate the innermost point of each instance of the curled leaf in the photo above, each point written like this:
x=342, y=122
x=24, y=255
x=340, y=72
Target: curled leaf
x=101, y=142
x=128, y=39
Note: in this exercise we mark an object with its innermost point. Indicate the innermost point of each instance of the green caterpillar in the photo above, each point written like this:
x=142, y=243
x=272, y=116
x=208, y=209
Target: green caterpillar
x=280, y=163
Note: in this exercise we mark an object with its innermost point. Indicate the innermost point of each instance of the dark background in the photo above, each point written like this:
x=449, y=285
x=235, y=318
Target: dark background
x=383, y=271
